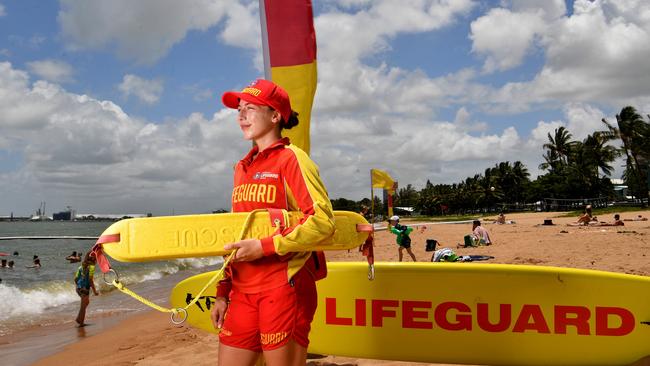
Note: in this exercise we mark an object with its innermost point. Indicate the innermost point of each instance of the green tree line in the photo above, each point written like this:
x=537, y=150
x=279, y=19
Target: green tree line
x=572, y=170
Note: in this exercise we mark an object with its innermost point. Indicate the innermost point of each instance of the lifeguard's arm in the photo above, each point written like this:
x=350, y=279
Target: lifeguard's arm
x=218, y=312
x=306, y=191
x=225, y=285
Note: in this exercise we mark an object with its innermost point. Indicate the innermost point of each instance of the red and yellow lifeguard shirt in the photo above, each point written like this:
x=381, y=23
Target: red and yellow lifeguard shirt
x=281, y=176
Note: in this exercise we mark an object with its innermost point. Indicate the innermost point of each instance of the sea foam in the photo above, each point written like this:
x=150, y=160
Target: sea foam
x=15, y=302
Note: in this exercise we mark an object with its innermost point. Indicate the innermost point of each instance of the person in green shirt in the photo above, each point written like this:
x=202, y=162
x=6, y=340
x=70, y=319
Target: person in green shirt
x=403, y=238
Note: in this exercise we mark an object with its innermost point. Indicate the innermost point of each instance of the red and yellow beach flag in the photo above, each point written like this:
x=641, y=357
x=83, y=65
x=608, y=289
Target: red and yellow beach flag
x=289, y=46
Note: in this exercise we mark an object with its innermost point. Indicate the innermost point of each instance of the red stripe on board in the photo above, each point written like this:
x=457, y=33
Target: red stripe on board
x=291, y=35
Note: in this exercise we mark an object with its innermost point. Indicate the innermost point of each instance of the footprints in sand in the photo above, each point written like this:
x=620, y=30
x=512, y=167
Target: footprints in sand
x=519, y=260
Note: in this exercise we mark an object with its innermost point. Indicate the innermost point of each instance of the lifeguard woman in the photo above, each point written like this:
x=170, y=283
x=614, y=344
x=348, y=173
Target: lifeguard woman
x=268, y=300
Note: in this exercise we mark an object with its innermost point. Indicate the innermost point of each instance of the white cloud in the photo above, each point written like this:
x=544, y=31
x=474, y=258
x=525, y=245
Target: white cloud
x=242, y=26
x=344, y=37
x=411, y=148
x=551, y=9
x=505, y=37
x=52, y=70
x=583, y=119
x=198, y=93
x=148, y=91
x=88, y=153
x=597, y=54
x=464, y=121
x=145, y=31
x=3, y=12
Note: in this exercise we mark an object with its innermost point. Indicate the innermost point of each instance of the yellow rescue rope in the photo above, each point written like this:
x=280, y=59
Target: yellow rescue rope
x=219, y=275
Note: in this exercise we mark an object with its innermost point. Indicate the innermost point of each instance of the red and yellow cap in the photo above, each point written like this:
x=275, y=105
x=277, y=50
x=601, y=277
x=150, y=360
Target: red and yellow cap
x=261, y=92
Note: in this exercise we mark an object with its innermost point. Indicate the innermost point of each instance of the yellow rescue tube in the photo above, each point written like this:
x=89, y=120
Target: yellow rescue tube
x=169, y=237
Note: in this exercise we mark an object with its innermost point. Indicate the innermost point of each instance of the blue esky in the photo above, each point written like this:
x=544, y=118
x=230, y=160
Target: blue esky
x=113, y=107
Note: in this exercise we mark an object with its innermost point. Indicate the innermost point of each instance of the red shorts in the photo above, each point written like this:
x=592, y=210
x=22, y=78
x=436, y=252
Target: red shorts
x=270, y=319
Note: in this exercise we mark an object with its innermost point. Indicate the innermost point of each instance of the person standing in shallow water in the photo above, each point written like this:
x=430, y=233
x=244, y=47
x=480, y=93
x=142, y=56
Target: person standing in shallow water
x=267, y=302
x=36, y=262
x=84, y=282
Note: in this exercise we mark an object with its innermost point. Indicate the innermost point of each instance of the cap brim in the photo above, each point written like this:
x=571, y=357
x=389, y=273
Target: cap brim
x=231, y=99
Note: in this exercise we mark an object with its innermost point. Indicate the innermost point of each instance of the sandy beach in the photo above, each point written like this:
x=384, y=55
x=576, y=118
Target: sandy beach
x=150, y=339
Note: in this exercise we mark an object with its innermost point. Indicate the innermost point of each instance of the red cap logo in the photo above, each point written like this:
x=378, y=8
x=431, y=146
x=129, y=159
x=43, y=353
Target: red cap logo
x=261, y=92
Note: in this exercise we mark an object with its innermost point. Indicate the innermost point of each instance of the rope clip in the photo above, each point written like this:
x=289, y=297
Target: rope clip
x=116, y=280
x=371, y=272
x=176, y=312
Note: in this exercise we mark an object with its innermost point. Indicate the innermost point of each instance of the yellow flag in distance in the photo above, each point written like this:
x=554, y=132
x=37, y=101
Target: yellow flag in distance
x=381, y=179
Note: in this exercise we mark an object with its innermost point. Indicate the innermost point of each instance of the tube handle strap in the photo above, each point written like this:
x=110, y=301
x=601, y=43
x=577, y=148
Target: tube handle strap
x=98, y=252
x=365, y=228
x=278, y=219
x=367, y=250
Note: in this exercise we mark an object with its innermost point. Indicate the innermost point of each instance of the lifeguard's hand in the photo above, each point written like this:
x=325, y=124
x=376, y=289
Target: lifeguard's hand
x=218, y=312
x=247, y=250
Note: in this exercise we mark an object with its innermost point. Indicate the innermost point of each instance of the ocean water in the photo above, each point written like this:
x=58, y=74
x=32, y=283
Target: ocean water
x=46, y=296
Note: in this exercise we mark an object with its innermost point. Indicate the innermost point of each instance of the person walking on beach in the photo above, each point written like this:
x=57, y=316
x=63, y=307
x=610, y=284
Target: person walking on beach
x=267, y=301
x=84, y=282
x=403, y=239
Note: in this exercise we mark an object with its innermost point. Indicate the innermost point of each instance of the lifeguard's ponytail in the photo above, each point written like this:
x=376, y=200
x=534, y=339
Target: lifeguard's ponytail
x=292, y=122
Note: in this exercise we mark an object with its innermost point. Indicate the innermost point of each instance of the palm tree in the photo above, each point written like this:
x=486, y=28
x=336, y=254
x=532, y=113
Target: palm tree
x=600, y=154
x=551, y=161
x=427, y=201
x=580, y=168
x=559, y=144
x=406, y=196
x=633, y=132
x=521, y=181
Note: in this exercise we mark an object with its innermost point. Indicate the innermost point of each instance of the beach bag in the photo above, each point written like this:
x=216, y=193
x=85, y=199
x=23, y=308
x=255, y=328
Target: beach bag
x=431, y=245
x=83, y=278
x=444, y=255
x=469, y=241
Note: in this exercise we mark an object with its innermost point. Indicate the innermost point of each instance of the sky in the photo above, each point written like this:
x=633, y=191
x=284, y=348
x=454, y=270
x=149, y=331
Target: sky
x=114, y=106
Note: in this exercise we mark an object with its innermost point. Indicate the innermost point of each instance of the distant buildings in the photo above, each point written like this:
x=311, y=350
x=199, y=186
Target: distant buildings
x=113, y=217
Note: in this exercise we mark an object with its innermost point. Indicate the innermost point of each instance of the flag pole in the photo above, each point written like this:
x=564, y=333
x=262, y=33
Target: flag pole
x=372, y=201
x=265, y=42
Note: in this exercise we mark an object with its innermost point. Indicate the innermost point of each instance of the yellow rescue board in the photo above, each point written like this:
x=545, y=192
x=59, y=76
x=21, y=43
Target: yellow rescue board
x=470, y=313
x=169, y=237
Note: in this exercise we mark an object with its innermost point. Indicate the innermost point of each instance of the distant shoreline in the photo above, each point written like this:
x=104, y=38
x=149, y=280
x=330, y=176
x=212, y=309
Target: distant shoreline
x=101, y=219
